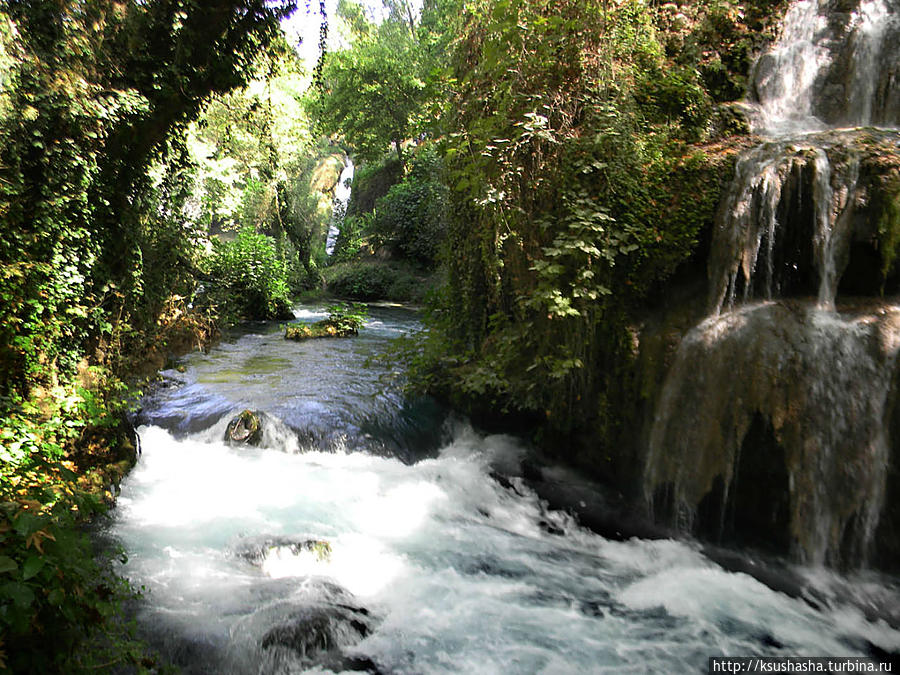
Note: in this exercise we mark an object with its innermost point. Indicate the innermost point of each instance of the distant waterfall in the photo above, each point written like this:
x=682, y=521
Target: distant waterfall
x=341, y=200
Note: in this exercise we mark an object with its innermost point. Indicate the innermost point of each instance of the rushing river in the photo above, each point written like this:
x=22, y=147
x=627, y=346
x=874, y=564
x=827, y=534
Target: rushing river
x=435, y=566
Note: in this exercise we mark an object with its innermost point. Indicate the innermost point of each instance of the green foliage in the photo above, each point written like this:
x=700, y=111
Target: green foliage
x=57, y=456
x=343, y=320
x=51, y=589
x=304, y=210
x=247, y=140
x=91, y=100
x=379, y=92
x=889, y=228
x=351, y=234
x=718, y=40
x=248, y=279
x=411, y=219
x=369, y=281
x=372, y=92
x=346, y=316
x=574, y=196
x=674, y=95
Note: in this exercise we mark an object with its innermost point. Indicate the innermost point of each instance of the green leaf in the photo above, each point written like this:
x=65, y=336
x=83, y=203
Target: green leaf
x=27, y=523
x=7, y=564
x=20, y=594
x=32, y=566
x=56, y=596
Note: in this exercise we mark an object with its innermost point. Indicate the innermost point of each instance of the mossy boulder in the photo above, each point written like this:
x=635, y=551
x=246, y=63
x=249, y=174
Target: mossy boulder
x=319, y=329
x=256, y=551
x=244, y=429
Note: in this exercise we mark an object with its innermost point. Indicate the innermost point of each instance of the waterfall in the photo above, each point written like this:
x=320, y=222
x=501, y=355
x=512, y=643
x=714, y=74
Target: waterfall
x=785, y=76
x=341, y=200
x=785, y=446
x=830, y=69
x=871, y=23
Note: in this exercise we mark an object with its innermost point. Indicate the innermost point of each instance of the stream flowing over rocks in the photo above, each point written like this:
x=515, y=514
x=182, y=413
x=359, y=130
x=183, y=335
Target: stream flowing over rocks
x=364, y=531
x=371, y=533
x=776, y=425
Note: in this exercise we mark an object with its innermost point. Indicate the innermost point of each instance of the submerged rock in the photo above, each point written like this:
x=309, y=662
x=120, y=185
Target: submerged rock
x=317, y=631
x=244, y=429
x=255, y=551
x=315, y=628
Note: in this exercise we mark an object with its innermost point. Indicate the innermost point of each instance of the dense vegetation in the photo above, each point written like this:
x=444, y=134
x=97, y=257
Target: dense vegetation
x=166, y=167
x=585, y=150
x=95, y=263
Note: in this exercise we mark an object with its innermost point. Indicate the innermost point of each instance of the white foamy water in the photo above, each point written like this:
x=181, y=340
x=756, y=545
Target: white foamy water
x=434, y=566
x=341, y=200
x=785, y=76
x=827, y=69
x=456, y=571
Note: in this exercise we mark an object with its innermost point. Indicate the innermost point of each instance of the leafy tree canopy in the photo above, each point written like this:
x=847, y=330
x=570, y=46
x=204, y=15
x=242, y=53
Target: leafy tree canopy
x=379, y=91
x=92, y=98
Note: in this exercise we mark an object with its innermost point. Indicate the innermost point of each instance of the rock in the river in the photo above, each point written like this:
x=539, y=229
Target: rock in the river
x=317, y=632
x=255, y=551
x=312, y=632
x=320, y=329
x=244, y=429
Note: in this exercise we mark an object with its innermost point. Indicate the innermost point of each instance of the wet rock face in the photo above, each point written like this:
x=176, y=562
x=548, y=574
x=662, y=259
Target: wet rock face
x=768, y=430
x=799, y=214
x=886, y=555
x=317, y=632
x=755, y=510
x=244, y=429
x=256, y=551
x=861, y=83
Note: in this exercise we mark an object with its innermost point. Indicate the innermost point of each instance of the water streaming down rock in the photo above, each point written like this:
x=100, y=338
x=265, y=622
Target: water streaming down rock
x=786, y=223
x=341, y=199
x=786, y=444
x=785, y=76
x=836, y=64
x=789, y=452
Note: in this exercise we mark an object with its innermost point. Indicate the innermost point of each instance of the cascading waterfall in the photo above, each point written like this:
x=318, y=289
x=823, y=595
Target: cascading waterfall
x=830, y=68
x=871, y=28
x=341, y=199
x=820, y=383
x=785, y=76
x=792, y=385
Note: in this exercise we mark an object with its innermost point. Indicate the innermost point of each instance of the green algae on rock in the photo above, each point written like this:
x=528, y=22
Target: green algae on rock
x=319, y=329
x=344, y=320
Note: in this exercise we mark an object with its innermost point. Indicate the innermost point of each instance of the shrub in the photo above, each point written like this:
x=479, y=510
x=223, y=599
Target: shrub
x=359, y=281
x=347, y=317
x=368, y=281
x=411, y=218
x=249, y=278
x=353, y=230
x=60, y=601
